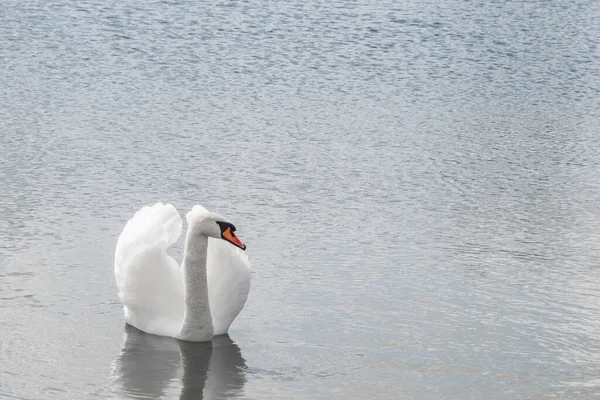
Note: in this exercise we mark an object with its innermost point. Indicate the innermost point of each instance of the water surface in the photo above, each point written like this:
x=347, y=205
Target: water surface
x=417, y=184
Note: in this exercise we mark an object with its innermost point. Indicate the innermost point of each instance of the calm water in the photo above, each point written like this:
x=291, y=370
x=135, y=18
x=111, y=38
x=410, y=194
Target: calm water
x=418, y=185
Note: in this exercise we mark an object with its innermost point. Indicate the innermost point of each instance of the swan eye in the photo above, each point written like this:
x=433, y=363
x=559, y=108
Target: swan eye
x=223, y=226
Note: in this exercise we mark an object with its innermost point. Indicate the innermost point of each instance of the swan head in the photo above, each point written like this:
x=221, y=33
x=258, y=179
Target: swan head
x=214, y=225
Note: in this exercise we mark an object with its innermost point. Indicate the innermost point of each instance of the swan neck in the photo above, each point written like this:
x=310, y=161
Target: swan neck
x=197, y=321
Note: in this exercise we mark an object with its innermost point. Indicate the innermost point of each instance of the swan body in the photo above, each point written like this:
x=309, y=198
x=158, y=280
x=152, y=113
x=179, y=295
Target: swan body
x=194, y=302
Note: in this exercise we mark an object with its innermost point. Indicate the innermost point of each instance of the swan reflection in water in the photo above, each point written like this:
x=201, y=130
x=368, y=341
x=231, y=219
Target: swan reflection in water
x=156, y=367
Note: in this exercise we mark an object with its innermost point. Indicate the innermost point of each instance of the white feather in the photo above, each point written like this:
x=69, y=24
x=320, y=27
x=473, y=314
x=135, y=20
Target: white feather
x=150, y=282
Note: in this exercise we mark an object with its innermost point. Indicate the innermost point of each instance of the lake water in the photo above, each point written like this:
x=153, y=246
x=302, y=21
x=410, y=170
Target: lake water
x=418, y=184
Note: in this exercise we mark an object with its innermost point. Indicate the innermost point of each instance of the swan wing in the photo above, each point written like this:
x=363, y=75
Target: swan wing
x=149, y=280
x=228, y=271
x=228, y=275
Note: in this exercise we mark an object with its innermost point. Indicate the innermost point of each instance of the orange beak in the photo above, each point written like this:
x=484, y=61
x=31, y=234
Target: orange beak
x=231, y=238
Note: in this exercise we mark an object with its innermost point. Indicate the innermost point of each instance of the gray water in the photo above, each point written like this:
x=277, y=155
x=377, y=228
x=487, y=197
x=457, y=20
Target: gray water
x=418, y=184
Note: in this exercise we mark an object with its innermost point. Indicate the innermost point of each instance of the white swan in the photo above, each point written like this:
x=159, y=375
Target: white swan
x=194, y=302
